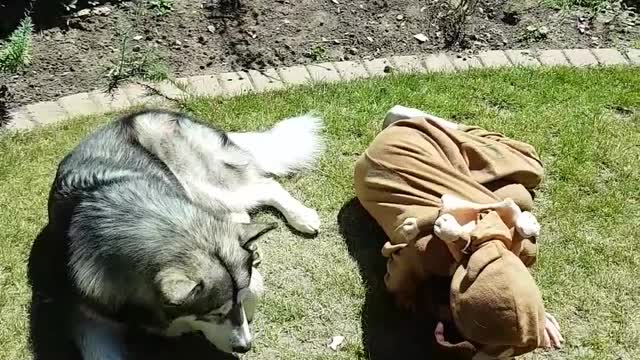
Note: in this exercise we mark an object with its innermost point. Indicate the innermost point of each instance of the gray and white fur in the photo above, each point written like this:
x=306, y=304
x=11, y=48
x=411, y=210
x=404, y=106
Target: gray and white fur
x=154, y=211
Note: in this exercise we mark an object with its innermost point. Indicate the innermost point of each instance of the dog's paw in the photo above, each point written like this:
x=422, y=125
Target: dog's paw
x=305, y=220
x=409, y=229
x=256, y=257
x=527, y=225
x=447, y=228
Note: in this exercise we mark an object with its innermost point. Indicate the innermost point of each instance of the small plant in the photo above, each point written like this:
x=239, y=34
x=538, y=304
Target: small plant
x=318, y=53
x=535, y=33
x=132, y=62
x=16, y=53
x=161, y=7
x=154, y=69
x=454, y=23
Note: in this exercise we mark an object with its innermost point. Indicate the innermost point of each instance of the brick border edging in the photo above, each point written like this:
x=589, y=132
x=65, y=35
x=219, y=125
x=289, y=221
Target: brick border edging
x=236, y=83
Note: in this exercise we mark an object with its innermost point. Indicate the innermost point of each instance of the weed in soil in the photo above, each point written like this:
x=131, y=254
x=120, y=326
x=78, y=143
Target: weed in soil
x=161, y=7
x=318, y=53
x=454, y=25
x=132, y=61
x=16, y=53
x=534, y=33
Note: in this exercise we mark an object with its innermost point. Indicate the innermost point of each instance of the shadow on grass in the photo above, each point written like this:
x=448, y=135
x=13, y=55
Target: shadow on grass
x=389, y=332
x=51, y=308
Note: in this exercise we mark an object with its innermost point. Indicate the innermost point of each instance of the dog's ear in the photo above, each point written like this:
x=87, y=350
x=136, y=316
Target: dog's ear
x=251, y=232
x=175, y=286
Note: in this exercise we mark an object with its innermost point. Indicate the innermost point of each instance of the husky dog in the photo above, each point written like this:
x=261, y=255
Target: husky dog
x=153, y=211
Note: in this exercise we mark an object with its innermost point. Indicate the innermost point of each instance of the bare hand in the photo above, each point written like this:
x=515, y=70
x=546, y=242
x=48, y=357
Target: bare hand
x=552, y=336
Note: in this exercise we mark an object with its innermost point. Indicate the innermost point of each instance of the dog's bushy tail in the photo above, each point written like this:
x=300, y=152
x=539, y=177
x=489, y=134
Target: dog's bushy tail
x=292, y=144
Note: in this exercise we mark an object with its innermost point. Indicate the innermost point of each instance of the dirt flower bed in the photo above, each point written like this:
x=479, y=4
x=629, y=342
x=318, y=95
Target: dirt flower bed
x=93, y=45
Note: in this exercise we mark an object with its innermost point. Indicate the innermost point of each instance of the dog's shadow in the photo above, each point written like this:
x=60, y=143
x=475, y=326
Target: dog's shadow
x=388, y=332
x=49, y=320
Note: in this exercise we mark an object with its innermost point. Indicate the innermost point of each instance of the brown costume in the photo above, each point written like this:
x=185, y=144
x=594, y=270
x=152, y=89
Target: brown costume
x=404, y=173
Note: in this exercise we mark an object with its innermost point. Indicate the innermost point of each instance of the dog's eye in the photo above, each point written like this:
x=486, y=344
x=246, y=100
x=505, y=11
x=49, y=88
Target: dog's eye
x=217, y=316
x=197, y=289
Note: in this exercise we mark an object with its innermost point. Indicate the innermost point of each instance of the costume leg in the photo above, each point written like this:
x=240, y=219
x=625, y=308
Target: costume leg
x=497, y=161
x=506, y=162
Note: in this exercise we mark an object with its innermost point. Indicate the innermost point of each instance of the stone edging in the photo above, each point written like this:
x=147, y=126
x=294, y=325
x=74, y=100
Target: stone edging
x=232, y=84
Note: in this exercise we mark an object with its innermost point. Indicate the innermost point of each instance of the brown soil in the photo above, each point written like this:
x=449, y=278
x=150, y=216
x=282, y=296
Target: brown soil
x=74, y=56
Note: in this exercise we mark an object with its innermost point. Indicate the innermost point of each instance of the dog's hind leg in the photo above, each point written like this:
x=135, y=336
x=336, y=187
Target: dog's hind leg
x=268, y=192
x=98, y=340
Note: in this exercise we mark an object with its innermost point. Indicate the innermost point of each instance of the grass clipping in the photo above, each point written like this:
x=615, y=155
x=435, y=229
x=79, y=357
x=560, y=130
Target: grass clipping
x=16, y=53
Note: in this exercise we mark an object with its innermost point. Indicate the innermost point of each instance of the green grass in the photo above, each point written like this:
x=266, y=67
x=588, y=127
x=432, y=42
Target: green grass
x=584, y=123
x=16, y=52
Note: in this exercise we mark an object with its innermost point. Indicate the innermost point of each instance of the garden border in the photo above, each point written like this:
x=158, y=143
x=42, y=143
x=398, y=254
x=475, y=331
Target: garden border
x=236, y=83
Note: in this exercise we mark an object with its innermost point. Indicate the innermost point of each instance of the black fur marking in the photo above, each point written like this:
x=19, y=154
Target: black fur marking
x=128, y=128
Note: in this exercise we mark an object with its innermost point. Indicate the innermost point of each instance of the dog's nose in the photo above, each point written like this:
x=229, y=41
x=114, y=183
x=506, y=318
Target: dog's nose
x=242, y=348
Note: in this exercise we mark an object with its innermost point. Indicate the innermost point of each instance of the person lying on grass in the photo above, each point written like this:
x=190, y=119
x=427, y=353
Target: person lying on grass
x=454, y=201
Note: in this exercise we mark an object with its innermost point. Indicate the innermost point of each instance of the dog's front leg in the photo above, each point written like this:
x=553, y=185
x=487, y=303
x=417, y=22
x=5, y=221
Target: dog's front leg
x=270, y=193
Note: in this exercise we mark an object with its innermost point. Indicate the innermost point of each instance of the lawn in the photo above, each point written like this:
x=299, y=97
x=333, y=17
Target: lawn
x=584, y=123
